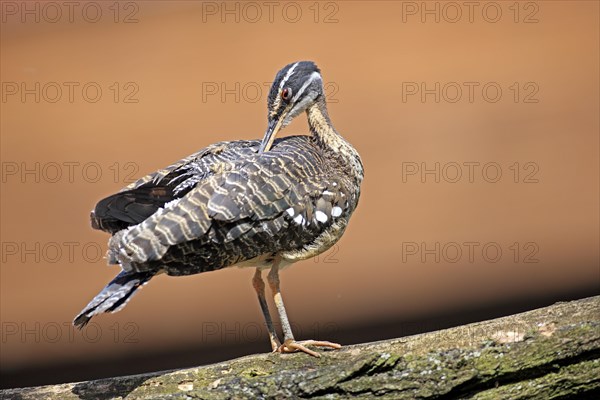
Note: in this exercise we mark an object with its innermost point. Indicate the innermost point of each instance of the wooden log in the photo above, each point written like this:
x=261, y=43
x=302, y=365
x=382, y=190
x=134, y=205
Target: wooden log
x=548, y=353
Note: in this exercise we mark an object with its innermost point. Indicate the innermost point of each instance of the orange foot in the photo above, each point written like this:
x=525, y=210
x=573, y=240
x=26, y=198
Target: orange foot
x=291, y=346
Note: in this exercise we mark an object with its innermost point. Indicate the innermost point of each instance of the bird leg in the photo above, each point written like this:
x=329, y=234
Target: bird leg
x=290, y=345
x=259, y=287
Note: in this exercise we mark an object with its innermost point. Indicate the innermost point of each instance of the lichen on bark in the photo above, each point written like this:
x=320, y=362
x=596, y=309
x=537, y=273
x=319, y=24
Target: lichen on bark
x=548, y=353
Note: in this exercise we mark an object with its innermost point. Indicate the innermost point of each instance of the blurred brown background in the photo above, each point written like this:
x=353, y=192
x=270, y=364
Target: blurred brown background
x=97, y=94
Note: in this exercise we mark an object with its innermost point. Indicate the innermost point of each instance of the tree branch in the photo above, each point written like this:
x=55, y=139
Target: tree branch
x=549, y=353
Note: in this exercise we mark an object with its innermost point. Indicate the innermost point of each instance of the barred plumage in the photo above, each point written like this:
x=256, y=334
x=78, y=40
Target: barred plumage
x=259, y=203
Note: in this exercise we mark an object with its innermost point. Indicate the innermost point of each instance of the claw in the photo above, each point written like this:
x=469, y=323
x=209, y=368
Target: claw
x=275, y=345
x=291, y=346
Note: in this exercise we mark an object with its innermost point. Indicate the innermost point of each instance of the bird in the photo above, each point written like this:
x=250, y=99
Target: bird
x=262, y=204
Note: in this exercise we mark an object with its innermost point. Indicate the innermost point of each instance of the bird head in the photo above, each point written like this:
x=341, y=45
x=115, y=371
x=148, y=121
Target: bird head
x=295, y=88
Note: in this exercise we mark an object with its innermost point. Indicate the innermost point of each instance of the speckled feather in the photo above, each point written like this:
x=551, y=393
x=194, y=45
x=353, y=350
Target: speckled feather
x=227, y=204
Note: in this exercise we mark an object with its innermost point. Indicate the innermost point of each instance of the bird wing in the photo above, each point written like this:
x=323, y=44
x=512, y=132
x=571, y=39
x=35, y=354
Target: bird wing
x=214, y=153
x=281, y=199
x=142, y=198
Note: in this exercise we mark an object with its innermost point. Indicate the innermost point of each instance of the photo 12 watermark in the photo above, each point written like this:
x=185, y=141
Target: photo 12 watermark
x=470, y=92
x=453, y=12
x=527, y=172
x=472, y=252
x=477, y=335
x=223, y=332
x=69, y=252
x=53, y=12
x=55, y=172
x=252, y=12
x=65, y=332
x=251, y=92
x=328, y=257
x=69, y=92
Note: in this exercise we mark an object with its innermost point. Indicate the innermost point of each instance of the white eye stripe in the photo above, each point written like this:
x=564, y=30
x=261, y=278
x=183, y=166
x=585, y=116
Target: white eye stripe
x=313, y=76
x=287, y=75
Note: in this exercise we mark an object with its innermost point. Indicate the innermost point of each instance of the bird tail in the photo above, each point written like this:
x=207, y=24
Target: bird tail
x=114, y=296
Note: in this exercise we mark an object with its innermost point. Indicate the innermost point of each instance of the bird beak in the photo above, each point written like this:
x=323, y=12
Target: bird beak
x=274, y=127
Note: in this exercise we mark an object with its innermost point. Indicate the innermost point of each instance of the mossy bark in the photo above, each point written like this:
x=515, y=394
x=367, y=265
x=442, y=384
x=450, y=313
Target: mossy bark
x=548, y=353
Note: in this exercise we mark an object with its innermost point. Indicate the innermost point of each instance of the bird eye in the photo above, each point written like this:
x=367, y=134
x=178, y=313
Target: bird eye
x=286, y=93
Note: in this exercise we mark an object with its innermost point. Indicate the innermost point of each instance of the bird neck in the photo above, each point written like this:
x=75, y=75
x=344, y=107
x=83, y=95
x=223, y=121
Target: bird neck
x=322, y=129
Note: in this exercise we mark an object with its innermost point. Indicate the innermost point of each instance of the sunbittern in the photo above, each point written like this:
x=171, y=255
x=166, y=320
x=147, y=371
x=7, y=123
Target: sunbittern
x=263, y=204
